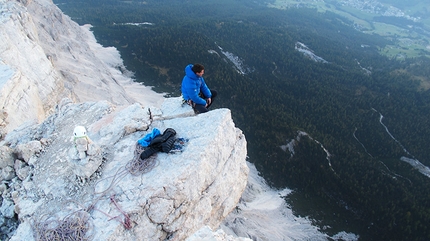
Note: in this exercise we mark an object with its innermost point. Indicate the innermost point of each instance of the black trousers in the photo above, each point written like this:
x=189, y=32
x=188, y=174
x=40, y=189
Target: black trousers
x=202, y=108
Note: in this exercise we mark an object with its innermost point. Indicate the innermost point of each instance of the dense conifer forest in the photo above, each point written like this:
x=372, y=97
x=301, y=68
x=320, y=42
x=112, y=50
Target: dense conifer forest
x=362, y=187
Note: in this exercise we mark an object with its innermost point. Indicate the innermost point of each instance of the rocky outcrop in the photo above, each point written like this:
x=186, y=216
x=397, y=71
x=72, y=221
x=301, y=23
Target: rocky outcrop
x=54, y=77
x=45, y=56
x=30, y=87
x=197, y=185
x=206, y=233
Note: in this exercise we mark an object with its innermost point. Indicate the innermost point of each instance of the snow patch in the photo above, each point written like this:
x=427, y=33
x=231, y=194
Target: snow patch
x=417, y=165
x=301, y=47
x=237, y=62
x=134, y=24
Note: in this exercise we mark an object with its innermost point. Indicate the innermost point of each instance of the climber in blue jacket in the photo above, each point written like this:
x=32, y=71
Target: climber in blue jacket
x=194, y=89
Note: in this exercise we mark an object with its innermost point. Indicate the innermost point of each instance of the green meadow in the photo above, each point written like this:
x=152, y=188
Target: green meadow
x=407, y=41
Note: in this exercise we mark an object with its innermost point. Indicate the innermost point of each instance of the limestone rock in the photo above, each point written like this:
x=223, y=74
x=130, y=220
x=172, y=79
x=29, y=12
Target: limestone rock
x=6, y=157
x=31, y=90
x=7, y=208
x=27, y=150
x=76, y=81
x=46, y=57
x=196, y=186
x=7, y=173
x=22, y=170
x=207, y=234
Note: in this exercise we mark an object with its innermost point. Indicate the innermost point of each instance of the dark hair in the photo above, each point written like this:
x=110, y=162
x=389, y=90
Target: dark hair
x=197, y=68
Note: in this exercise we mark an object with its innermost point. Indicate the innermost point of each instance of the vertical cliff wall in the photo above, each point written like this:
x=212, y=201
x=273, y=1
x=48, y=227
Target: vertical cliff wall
x=30, y=87
x=45, y=56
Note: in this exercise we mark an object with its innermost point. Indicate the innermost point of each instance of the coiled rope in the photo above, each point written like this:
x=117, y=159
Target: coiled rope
x=138, y=166
x=73, y=227
x=76, y=225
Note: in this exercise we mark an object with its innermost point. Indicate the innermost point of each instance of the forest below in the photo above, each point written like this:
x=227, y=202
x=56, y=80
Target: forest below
x=364, y=188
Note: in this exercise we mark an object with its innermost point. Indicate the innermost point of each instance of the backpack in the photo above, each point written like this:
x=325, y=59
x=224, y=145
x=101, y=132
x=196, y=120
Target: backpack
x=163, y=142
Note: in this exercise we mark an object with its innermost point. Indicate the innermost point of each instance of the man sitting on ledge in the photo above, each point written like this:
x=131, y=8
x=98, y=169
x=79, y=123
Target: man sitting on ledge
x=194, y=89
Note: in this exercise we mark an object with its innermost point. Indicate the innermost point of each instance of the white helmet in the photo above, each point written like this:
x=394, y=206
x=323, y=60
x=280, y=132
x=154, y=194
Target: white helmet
x=79, y=131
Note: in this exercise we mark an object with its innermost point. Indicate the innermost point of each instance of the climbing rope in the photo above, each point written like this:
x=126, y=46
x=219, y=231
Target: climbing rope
x=76, y=225
x=138, y=166
x=73, y=227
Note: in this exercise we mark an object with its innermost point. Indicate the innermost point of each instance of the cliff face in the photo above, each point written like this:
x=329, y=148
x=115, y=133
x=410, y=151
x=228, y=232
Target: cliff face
x=44, y=57
x=30, y=86
x=54, y=77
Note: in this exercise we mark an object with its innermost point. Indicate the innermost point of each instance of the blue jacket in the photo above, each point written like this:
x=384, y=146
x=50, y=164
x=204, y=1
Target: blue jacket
x=146, y=140
x=192, y=85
